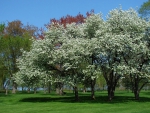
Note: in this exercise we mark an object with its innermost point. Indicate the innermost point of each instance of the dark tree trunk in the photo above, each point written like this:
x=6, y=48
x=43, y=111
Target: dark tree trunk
x=73, y=91
x=111, y=86
x=112, y=81
x=136, y=87
x=136, y=95
x=22, y=88
x=93, y=81
x=76, y=93
x=60, y=85
x=110, y=93
x=49, y=87
x=28, y=90
x=59, y=88
x=93, y=89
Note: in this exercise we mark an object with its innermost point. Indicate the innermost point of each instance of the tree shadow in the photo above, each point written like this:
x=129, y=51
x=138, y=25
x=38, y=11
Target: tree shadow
x=85, y=99
x=146, y=93
x=46, y=99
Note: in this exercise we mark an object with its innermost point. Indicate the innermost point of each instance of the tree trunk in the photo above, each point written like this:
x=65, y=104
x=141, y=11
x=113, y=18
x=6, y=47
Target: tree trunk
x=84, y=89
x=6, y=90
x=136, y=95
x=136, y=87
x=22, y=88
x=111, y=85
x=76, y=93
x=103, y=87
x=93, y=89
x=35, y=89
x=6, y=87
x=14, y=88
x=110, y=93
x=28, y=90
x=49, y=87
x=45, y=89
x=73, y=91
x=59, y=89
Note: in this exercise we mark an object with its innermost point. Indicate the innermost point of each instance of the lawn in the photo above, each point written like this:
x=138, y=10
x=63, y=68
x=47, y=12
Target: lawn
x=51, y=103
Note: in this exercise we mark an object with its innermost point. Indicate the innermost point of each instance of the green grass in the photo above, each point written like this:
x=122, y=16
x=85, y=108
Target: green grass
x=51, y=103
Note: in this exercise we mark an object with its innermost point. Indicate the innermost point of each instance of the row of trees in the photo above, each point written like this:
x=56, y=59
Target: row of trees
x=81, y=51
x=16, y=37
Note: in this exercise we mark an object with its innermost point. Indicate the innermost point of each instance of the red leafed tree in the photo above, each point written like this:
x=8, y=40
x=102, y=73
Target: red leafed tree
x=79, y=18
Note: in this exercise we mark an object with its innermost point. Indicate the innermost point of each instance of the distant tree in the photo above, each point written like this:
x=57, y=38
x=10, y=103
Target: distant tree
x=15, y=37
x=2, y=66
x=144, y=10
x=2, y=27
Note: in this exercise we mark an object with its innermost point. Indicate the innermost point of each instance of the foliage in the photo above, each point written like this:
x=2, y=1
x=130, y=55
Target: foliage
x=15, y=36
x=68, y=19
x=76, y=52
x=2, y=77
x=2, y=27
x=123, y=47
x=145, y=9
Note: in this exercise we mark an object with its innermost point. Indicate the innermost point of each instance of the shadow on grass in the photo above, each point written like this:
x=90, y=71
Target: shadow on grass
x=85, y=99
x=146, y=92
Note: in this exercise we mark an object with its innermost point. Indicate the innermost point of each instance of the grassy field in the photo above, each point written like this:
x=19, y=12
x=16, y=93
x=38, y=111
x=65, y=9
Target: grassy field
x=51, y=103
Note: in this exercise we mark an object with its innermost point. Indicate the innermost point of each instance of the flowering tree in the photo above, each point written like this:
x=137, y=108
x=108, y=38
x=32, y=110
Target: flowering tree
x=123, y=48
x=36, y=67
x=135, y=52
x=93, y=23
x=72, y=53
x=79, y=50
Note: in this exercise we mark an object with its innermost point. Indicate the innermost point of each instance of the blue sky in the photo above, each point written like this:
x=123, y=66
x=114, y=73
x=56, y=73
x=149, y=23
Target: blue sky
x=39, y=12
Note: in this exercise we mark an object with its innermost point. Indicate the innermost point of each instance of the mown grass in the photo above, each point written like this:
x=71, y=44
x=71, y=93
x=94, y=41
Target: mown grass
x=51, y=103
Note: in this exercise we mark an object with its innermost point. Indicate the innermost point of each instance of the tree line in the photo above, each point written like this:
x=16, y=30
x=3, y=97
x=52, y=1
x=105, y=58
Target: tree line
x=79, y=52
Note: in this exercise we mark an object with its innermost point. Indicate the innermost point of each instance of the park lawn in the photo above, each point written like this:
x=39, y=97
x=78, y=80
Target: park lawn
x=51, y=103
